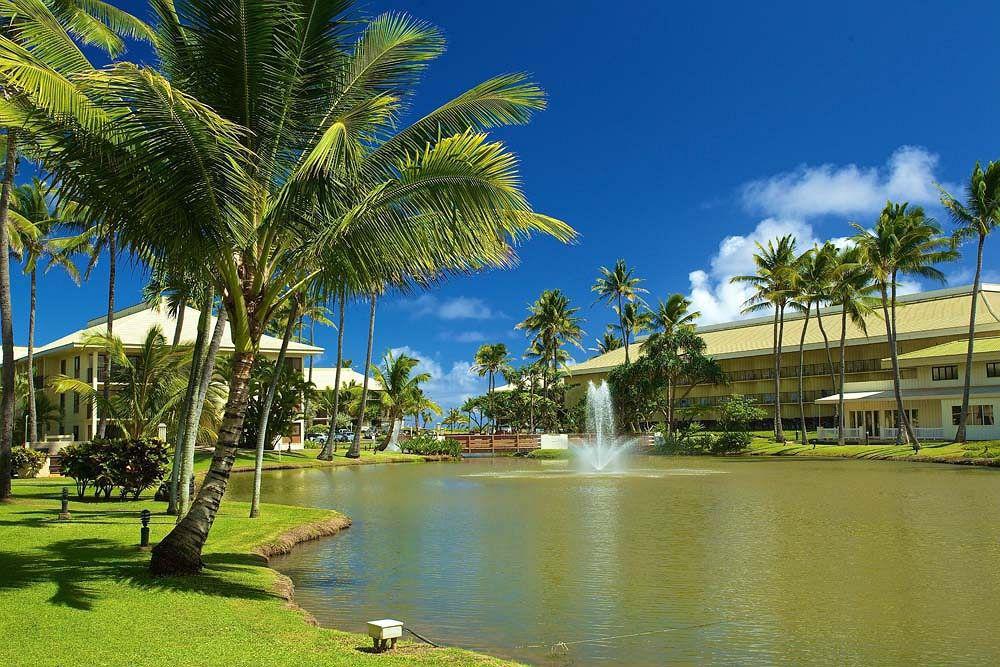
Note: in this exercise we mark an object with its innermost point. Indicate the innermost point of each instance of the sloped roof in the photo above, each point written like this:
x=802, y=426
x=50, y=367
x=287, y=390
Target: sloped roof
x=955, y=348
x=131, y=325
x=325, y=378
x=921, y=315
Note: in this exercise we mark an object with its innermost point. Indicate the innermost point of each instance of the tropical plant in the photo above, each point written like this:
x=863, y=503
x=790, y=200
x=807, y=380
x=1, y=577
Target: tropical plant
x=148, y=382
x=41, y=248
x=633, y=319
x=904, y=242
x=400, y=389
x=476, y=409
x=673, y=313
x=773, y=286
x=608, y=342
x=736, y=415
x=332, y=400
x=27, y=462
x=552, y=324
x=619, y=286
x=40, y=45
x=974, y=218
x=811, y=287
x=454, y=418
x=490, y=360
x=354, y=451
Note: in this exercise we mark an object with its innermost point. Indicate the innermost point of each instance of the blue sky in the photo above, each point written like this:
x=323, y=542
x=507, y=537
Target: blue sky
x=677, y=134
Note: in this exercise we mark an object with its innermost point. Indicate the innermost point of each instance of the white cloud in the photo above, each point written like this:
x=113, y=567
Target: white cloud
x=457, y=308
x=790, y=201
x=846, y=190
x=464, y=336
x=448, y=388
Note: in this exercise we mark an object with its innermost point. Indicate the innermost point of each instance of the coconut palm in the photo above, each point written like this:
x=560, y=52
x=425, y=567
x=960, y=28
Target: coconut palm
x=39, y=51
x=552, y=324
x=608, y=342
x=454, y=419
x=904, y=242
x=673, y=313
x=41, y=248
x=333, y=406
x=281, y=157
x=975, y=218
x=617, y=287
x=634, y=319
x=773, y=287
x=490, y=360
x=354, y=451
x=400, y=387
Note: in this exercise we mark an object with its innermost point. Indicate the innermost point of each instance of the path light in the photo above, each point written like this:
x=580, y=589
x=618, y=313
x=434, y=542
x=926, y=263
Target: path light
x=64, y=511
x=384, y=633
x=144, y=531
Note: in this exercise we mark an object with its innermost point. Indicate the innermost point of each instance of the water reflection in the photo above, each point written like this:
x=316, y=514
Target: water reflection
x=775, y=560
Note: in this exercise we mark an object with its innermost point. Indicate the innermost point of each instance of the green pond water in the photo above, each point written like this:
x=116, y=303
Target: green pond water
x=763, y=561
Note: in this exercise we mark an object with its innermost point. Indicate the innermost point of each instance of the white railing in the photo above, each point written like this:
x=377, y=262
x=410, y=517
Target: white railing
x=922, y=433
x=831, y=433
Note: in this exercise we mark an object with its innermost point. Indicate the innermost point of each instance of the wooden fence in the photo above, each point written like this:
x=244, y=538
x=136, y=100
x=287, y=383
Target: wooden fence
x=486, y=443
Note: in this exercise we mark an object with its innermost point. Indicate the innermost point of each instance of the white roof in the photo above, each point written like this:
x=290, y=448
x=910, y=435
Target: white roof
x=131, y=325
x=324, y=377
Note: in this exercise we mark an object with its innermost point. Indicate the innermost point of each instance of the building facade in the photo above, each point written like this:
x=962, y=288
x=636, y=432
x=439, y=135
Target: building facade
x=932, y=333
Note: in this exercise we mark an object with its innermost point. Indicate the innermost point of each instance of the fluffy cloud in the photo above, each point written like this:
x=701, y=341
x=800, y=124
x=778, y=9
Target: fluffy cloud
x=464, y=336
x=457, y=308
x=790, y=201
x=448, y=388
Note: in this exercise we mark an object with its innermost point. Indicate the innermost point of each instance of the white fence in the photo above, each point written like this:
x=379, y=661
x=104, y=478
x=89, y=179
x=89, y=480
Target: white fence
x=831, y=433
x=922, y=433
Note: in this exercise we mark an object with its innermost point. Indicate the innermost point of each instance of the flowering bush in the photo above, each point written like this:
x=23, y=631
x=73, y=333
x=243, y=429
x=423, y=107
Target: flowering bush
x=26, y=462
x=131, y=466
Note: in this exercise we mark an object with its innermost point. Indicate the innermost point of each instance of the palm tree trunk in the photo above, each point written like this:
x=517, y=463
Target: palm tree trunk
x=102, y=422
x=32, y=413
x=309, y=379
x=194, y=416
x=843, y=376
x=802, y=357
x=6, y=323
x=179, y=324
x=331, y=439
x=180, y=551
x=896, y=380
x=902, y=434
x=621, y=325
x=829, y=355
x=355, y=451
x=777, y=375
x=197, y=359
x=265, y=410
x=960, y=435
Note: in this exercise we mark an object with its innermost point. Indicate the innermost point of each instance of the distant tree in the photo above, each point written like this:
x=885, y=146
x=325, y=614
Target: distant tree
x=491, y=360
x=618, y=286
x=673, y=313
x=552, y=324
x=608, y=342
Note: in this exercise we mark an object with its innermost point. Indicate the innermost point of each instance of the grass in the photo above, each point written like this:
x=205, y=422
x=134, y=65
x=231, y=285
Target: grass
x=302, y=458
x=548, y=454
x=982, y=452
x=78, y=593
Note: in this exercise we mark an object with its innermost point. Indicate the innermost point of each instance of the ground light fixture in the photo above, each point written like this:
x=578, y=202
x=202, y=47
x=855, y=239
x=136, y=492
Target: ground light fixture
x=384, y=633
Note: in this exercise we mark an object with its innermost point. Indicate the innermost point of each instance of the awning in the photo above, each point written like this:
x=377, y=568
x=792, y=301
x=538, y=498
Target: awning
x=854, y=396
x=923, y=394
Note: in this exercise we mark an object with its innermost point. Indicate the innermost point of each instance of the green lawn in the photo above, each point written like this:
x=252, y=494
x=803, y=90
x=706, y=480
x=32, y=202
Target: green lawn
x=78, y=593
x=986, y=452
x=549, y=454
x=303, y=458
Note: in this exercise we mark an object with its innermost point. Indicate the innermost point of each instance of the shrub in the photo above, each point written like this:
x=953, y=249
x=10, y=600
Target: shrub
x=131, y=466
x=26, y=462
x=428, y=444
x=690, y=439
x=736, y=415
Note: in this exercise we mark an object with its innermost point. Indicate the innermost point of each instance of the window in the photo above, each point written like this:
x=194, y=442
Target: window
x=62, y=367
x=944, y=372
x=62, y=403
x=912, y=414
x=993, y=369
x=76, y=433
x=979, y=415
x=76, y=366
x=76, y=403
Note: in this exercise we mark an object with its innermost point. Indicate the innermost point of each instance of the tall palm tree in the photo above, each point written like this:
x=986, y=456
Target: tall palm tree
x=904, y=242
x=673, y=313
x=40, y=246
x=608, y=342
x=490, y=360
x=618, y=286
x=40, y=42
x=354, y=451
x=283, y=147
x=552, y=324
x=333, y=409
x=400, y=387
x=852, y=288
x=975, y=218
x=633, y=320
x=773, y=286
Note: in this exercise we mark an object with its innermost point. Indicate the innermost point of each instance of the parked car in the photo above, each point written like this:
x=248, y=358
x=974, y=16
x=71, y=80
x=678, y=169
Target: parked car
x=321, y=438
x=345, y=436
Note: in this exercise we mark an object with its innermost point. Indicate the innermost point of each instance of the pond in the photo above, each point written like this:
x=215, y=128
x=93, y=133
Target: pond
x=695, y=560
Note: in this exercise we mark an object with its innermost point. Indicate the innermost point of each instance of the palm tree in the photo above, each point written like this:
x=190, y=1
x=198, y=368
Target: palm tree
x=773, y=286
x=490, y=360
x=354, y=451
x=454, y=418
x=617, y=286
x=333, y=409
x=904, y=242
x=633, y=320
x=399, y=389
x=975, y=218
x=851, y=288
x=608, y=342
x=552, y=324
x=40, y=43
x=287, y=152
x=40, y=246
x=673, y=313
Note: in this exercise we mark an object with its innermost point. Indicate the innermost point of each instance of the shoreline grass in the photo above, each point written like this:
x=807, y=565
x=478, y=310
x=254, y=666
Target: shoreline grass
x=303, y=458
x=79, y=592
x=983, y=453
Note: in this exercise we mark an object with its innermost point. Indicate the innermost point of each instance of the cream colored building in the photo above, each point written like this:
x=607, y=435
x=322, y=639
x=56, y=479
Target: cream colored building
x=325, y=377
x=932, y=334
x=69, y=356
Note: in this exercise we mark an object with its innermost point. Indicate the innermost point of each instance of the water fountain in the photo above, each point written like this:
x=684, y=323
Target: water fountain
x=603, y=450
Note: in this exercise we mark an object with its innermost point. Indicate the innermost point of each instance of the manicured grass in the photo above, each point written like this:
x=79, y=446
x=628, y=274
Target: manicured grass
x=303, y=458
x=549, y=454
x=985, y=452
x=78, y=593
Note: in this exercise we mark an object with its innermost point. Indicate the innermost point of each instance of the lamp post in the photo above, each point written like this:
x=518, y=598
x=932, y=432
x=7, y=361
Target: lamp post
x=64, y=510
x=144, y=531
